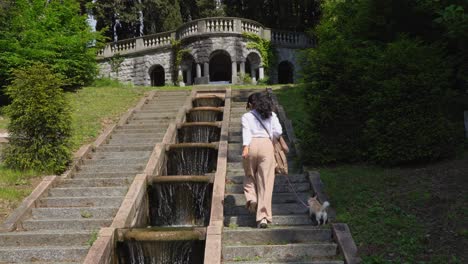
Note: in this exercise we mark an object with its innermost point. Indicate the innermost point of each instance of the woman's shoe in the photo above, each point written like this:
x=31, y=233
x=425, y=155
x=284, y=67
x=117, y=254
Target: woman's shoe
x=263, y=223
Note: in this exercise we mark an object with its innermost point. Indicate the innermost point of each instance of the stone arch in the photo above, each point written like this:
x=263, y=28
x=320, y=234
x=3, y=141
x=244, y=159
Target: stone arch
x=253, y=62
x=285, y=72
x=220, y=66
x=157, y=75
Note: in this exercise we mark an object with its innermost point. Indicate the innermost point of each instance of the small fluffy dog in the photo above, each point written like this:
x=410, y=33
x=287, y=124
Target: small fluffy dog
x=317, y=211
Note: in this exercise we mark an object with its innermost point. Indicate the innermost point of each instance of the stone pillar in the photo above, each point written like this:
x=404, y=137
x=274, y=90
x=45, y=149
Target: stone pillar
x=198, y=70
x=206, y=68
x=261, y=74
x=234, y=72
x=242, y=68
x=252, y=74
x=189, y=76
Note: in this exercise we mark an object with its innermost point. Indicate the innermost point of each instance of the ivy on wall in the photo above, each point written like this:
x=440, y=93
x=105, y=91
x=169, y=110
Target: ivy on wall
x=177, y=56
x=264, y=47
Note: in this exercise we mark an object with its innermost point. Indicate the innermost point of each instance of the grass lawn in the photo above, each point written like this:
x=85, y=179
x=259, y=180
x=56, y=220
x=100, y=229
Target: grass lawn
x=93, y=109
x=397, y=215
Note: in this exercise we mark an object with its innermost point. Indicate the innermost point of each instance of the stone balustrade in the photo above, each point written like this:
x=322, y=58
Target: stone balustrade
x=290, y=39
x=206, y=26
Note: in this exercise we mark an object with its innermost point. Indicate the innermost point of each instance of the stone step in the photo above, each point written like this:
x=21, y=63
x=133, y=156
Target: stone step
x=326, y=261
x=279, y=179
x=235, y=139
x=134, y=168
x=235, y=128
x=279, y=220
x=95, y=182
x=158, y=115
x=235, y=168
x=43, y=253
x=44, y=237
x=281, y=235
x=107, y=148
x=136, y=135
x=278, y=188
x=88, y=191
x=121, y=154
x=135, y=132
x=277, y=209
x=66, y=224
x=119, y=161
x=166, y=111
x=235, y=134
x=97, y=201
x=152, y=127
x=74, y=213
x=134, y=141
x=54, y=262
x=81, y=175
x=277, y=198
x=235, y=120
x=288, y=252
x=155, y=126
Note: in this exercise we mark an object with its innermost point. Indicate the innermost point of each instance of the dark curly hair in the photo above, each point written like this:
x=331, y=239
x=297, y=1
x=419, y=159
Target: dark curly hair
x=261, y=102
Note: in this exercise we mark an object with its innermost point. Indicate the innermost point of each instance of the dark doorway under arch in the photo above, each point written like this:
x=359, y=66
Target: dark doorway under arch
x=157, y=75
x=220, y=67
x=285, y=72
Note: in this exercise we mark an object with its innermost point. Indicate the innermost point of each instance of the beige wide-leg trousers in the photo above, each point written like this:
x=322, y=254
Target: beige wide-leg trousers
x=259, y=167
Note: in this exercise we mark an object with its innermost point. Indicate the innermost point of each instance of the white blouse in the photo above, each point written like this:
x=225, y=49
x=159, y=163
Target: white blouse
x=251, y=127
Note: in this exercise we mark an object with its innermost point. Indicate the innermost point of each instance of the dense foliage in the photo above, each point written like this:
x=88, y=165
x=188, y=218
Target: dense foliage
x=130, y=18
x=51, y=32
x=40, y=121
x=383, y=81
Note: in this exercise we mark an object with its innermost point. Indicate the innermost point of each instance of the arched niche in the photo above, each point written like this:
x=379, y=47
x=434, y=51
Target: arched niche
x=252, y=64
x=157, y=75
x=285, y=72
x=220, y=66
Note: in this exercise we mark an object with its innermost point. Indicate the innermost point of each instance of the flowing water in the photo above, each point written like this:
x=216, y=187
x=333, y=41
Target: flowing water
x=191, y=161
x=161, y=252
x=204, y=116
x=205, y=134
x=180, y=204
x=208, y=101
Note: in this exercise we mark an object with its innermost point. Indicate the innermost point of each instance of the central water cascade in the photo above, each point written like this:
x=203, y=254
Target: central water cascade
x=180, y=195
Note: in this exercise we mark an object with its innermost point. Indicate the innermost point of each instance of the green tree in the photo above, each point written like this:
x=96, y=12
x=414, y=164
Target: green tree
x=40, y=125
x=379, y=88
x=53, y=33
x=162, y=15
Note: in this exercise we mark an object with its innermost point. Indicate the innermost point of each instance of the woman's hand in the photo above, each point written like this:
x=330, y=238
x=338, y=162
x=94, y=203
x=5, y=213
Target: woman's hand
x=245, y=152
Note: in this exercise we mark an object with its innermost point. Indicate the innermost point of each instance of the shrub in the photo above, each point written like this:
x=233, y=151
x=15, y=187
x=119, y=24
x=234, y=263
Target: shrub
x=40, y=124
x=410, y=91
x=335, y=102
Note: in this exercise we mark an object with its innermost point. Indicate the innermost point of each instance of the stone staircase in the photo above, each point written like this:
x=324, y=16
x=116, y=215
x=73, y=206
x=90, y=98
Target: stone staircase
x=64, y=224
x=291, y=238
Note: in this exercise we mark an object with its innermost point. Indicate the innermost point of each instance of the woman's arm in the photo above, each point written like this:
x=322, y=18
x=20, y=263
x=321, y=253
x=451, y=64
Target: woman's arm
x=276, y=128
x=246, y=136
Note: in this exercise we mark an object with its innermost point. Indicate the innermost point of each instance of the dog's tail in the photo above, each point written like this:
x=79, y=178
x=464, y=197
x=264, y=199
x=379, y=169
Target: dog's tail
x=325, y=205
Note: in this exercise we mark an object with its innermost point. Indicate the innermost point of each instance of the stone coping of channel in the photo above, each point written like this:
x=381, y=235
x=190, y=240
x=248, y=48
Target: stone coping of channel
x=102, y=251
x=48, y=182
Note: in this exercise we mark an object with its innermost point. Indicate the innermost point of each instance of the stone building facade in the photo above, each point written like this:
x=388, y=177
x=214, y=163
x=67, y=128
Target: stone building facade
x=216, y=52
